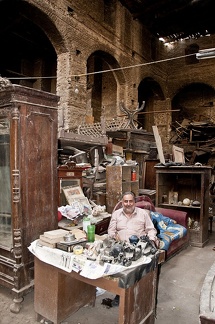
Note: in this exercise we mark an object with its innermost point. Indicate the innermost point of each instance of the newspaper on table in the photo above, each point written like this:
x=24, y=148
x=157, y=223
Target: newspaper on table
x=79, y=263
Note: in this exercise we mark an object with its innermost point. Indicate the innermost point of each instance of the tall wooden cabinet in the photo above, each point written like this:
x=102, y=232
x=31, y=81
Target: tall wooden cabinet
x=28, y=180
x=119, y=180
x=176, y=183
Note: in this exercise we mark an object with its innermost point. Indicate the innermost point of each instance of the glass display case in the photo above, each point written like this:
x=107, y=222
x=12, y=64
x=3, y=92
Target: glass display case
x=5, y=192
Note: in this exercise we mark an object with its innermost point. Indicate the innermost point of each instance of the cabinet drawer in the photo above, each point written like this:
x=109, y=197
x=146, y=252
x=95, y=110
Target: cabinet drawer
x=101, y=227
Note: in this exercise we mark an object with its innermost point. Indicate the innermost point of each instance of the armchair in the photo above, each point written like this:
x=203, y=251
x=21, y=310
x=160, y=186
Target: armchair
x=180, y=217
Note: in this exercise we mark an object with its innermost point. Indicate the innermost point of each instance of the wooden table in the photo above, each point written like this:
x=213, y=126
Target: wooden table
x=58, y=294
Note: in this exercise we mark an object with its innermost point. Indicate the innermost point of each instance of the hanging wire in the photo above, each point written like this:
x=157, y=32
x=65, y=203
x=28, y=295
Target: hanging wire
x=105, y=71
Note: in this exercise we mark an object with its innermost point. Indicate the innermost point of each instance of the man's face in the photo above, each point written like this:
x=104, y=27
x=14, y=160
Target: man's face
x=128, y=204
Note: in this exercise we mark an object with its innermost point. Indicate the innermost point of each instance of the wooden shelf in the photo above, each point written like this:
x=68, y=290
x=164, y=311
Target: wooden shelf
x=189, y=182
x=129, y=181
x=180, y=206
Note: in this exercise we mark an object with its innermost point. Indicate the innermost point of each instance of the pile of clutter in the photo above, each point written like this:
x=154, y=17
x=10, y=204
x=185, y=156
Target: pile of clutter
x=77, y=211
x=123, y=253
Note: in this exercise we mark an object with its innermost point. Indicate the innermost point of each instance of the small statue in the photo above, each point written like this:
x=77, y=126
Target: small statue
x=196, y=226
x=130, y=114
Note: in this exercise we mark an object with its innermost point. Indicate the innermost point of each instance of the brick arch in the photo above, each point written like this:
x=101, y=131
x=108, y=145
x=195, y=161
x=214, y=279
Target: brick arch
x=149, y=90
x=196, y=101
x=30, y=43
x=111, y=62
x=42, y=18
x=103, y=88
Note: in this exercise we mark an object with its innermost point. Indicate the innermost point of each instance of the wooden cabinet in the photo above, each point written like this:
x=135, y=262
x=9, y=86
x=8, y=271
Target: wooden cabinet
x=190, y=182
x=28, y=181
x=119, y=180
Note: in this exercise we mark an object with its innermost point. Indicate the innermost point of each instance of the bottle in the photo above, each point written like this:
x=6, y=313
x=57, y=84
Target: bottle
x=91, y=233
x=133, y=175
x=86, y=222
x=175, y=198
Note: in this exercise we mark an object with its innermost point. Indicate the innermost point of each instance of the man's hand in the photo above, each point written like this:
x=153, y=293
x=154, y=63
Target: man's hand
x=117, y=237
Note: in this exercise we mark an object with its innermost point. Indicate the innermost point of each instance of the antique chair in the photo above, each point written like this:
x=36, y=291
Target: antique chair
x=171, y=216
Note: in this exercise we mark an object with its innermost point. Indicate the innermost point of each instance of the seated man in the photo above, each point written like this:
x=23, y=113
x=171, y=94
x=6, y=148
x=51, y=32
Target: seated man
x=130, y=220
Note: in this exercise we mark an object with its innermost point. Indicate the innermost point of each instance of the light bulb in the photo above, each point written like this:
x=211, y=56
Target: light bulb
x=76, y=90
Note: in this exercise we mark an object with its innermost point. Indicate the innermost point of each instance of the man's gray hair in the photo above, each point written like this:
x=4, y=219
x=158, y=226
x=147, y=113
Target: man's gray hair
x=128, y=193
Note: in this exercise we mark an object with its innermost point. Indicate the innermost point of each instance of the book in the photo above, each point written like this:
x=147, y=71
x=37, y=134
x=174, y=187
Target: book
x=50, y=245
x=51, y=240
x=58, y=233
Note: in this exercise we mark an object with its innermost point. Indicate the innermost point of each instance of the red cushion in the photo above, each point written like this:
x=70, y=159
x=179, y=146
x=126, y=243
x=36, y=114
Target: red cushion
x=145, y=205
x=143, y=202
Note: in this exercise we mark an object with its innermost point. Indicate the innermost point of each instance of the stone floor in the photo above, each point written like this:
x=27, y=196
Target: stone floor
x=180, y=284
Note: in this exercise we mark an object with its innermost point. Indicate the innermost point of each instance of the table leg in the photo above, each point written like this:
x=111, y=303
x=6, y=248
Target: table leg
x=57, y=294
x=137, y=303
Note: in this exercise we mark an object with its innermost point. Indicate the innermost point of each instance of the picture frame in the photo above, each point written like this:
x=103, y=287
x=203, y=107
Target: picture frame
x=75, y=195
x=67, y=183
x=178, y=154
x=72, y=192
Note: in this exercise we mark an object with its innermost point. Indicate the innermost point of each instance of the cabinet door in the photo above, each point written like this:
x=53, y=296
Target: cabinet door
x=38, y=171
x=149, y=178
x=113, y=186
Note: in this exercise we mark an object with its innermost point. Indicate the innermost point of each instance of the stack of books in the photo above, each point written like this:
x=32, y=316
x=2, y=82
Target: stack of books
x=51, y=238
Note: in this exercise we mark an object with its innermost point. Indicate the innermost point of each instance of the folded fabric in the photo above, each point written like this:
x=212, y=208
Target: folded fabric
x=167, y=229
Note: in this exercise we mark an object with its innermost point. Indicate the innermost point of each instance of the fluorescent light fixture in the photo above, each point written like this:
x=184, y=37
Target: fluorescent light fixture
x=206, y=54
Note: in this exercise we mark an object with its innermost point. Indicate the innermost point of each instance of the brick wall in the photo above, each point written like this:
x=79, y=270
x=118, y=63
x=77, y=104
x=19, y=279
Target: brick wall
x=83, y=30
x=84, y=33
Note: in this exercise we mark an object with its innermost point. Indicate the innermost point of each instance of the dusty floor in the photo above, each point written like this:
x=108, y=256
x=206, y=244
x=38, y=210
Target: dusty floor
x=87, y=315
x=179, y=290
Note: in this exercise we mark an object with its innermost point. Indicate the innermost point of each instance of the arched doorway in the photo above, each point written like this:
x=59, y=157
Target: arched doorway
x=26, y=52
x=103, y=90
x=195, y=102
x=193, y=123
x=149, y=91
